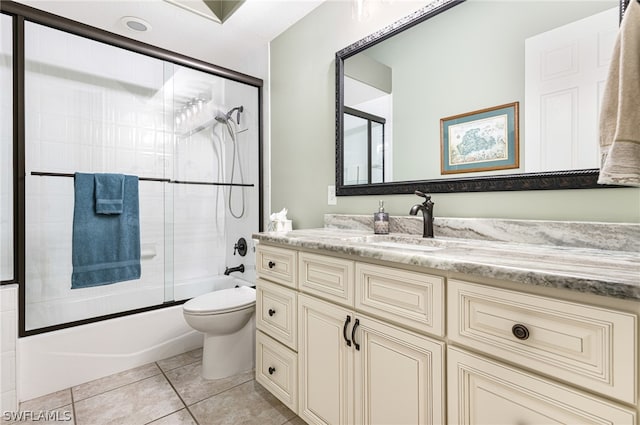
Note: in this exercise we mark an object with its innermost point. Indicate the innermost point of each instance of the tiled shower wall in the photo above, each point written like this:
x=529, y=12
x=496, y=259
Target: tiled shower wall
x=96, y=108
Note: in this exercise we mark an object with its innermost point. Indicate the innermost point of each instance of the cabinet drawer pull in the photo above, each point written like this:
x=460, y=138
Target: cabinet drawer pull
x=271, y=370
x=271, y=264
x=344, y=330
x=353, y=334
x=520, y=331
x=271, y=312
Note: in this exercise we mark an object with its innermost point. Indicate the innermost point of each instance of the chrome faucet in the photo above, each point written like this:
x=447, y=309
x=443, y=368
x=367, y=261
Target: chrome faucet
x=229, y=270
x=427, y=213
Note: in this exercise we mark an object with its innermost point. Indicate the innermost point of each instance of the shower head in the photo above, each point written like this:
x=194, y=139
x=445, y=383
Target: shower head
x=240, y=110
x=224, y=118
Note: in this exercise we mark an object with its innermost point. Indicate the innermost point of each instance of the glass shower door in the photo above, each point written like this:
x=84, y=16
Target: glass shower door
x=90, y=107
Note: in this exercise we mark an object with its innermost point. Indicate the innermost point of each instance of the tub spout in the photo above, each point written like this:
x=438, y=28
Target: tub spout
x=229, y=270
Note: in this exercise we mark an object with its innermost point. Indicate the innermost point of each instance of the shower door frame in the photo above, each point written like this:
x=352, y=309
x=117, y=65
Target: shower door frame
x=21, y=13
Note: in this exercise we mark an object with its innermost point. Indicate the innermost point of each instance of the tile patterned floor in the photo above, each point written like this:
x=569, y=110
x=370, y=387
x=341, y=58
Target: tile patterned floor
x=168, y=392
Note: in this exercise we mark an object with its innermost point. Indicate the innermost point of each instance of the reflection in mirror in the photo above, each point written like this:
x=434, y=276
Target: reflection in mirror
x=364, y=147
x=551, y=57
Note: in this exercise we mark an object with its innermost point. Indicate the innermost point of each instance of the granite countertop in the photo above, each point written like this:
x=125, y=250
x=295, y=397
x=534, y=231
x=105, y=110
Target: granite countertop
x=597, y=271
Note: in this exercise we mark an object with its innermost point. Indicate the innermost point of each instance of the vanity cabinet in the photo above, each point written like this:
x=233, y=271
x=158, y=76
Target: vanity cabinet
x=560, y=341
x=276, y=323
x=482, y=391
x=278, y=265
x=342, y=340
x=276, y=311
x=355, y=369
x=592, y=347
x=358, y=360
x=358, y=369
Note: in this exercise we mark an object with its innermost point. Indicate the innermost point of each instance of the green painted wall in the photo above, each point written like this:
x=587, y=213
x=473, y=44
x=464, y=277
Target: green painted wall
x=302, y=84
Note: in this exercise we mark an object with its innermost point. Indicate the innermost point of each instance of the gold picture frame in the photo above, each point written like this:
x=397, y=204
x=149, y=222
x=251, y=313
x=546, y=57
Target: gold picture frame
x=482, y=140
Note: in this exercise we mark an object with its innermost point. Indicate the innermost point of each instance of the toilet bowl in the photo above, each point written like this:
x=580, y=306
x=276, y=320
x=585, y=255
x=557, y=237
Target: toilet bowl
x=226, y=318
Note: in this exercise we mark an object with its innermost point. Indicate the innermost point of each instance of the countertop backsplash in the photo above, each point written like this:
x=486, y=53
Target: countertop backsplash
x=578, y=234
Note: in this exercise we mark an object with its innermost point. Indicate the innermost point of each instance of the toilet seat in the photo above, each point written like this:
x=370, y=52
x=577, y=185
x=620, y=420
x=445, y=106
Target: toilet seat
x=220, y=302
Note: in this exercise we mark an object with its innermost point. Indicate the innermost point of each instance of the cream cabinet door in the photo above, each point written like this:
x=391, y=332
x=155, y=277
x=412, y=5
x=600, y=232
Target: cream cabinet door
x=325, y=362
x=326, y=277
x=482, y=391
x=277, y=312
x=276, y=264
x=584, y=345
x=399, y=375
x=277, y=370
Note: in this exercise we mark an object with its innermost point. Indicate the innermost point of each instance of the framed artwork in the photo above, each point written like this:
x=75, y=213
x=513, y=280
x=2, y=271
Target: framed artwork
x=480, y=140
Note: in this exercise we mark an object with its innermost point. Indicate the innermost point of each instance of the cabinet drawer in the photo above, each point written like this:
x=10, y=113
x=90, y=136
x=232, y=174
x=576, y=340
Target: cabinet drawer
x=276, y=312
x=588, y=346
x=276, y=264
x=326, y=277
x=482, y=391
x=412, y=299
x=277, y=370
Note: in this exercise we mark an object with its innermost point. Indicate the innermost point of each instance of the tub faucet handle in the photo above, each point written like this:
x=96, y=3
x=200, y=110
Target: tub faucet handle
x=240, y=247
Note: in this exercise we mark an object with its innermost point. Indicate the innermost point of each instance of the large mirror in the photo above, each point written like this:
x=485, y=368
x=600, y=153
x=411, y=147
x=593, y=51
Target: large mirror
x=475, y=95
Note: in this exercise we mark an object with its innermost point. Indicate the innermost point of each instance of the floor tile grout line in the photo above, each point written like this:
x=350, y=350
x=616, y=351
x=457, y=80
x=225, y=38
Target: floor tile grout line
x=73, y=407
x=220, y=392
x=160, y=371
x=178, y=394
x=73, y=400
x=118, y=387
x=121, y=386
x=42, y=410
x=177, y=367
x=164, y=416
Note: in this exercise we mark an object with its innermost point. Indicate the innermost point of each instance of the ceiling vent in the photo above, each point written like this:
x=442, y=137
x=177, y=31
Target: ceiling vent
x=215, y=10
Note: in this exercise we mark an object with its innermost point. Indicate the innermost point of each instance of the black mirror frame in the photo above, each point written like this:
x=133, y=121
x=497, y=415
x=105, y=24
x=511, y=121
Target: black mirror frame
x=552, y=180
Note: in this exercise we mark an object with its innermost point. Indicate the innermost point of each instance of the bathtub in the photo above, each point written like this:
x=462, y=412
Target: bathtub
x=61, y=359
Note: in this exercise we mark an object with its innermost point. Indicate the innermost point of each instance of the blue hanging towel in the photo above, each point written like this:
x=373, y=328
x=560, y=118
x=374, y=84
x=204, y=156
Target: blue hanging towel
x=106, y=247
x=109, y=193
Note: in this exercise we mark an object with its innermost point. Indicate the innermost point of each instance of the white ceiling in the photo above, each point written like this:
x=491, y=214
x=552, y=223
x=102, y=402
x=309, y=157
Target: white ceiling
x=230, y=45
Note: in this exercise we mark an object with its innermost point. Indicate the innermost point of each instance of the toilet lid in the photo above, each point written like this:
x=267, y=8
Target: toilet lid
x=221, y=301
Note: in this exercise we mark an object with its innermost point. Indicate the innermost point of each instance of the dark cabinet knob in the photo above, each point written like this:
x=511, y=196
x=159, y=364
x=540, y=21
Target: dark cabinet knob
x=271, y=312
x=272, y=370
x=520, y=331
x=271, y=264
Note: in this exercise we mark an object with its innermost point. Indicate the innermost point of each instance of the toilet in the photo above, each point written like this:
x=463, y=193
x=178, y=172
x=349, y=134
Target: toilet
x=227, y=320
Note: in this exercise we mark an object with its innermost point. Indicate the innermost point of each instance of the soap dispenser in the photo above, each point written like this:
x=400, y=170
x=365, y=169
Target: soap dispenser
x=381, y=220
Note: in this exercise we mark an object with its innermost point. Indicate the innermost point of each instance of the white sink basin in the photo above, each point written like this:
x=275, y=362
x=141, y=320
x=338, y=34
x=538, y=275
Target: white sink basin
x=406, y=246
x=408, y=242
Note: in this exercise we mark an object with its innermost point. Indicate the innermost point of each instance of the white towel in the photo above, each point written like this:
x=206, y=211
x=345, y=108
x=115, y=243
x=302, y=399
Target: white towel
x=620, y=113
